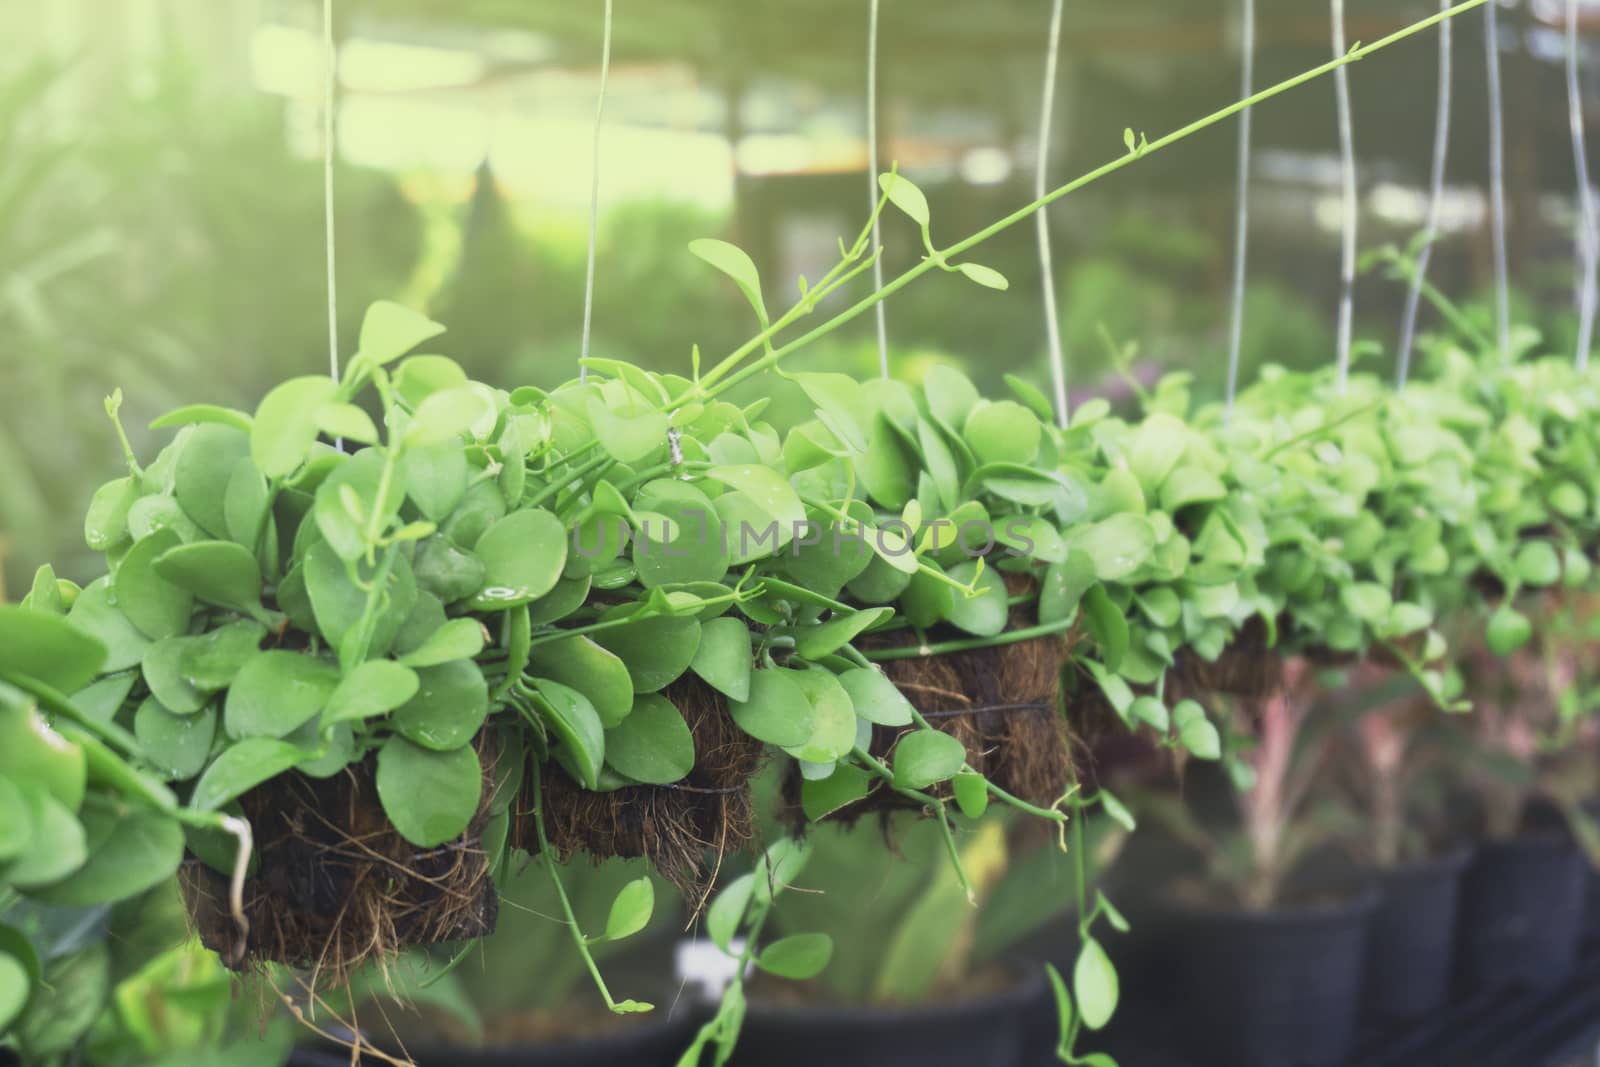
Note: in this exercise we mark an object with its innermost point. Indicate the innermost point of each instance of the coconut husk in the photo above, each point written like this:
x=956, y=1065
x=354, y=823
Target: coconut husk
x=1000, y=702
x=1247, y=667
x=683, y=829
x=335, y=883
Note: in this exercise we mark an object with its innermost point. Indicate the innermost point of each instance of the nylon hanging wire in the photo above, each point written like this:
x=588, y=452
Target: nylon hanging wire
x=1441, y=152
x=873, y=191
x=330, y=72
x=1497, y=178
x=1347, y=152
x=1052, y=322
x=594, y=195
x=1588, y=251
x=1241, y=223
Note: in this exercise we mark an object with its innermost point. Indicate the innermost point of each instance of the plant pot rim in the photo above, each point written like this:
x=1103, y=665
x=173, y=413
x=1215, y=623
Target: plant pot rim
x=1542, y=839
x=1357, y=904
x=1028, y=984
x=1452, y=860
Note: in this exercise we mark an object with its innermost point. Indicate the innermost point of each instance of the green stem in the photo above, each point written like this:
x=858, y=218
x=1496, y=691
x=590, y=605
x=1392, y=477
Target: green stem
x=969, y=644
x=1143, y=152
x=577, y=475
x=518, y=645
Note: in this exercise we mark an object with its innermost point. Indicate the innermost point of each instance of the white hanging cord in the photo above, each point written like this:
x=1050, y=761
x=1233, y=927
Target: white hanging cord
x=1347, y=150
x=1241, y=223
x=1497, y=178
x=594, y=194
x=873, y=191
x=330, y=72
x=1441, y=151
x=1588, y=251
x=1052, y=322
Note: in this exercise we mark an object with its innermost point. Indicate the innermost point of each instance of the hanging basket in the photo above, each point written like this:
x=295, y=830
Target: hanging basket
x=683, y=829
x=1246, y=668
x=336, y=885
x=1000, y=702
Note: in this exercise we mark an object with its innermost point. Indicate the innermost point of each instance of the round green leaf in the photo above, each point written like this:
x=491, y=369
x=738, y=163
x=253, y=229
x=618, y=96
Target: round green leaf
x=1508, y=630
x=799, y=956
x=656, y=650
x=777, y=711
x=924, y=757
x=631, y=909
x=49, y=648
x=876, y=698
x=276, y=691
x=204, y=467
x=1538, y=564
x=163, y=673
x=833, y=717
x=1117, y=545
x=1094, y=981
x=390, y=330
x=523, y=556
x=1003, y=432
x=106, y=524
x=986, y=613
x=450, y=704
x=373, y=688
x=285, y=424
x=653, y=744
x=15, y=988
x=211, y=661
x=581, y=664
x=436, y=478
x=129, y=851
x=814, y=642
x=220, y=572
x=58, y=846
x=32, y=753
x=177, y=745
x=430, y=796
x=240, y=769
x=723, y=660
x=574, y=721
x=456, y=639
x=16, y=828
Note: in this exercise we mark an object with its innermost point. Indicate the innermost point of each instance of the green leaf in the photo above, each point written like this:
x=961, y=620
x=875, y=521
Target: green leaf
x=925, y=756
x=972, y=793
x=1117, y=545
x=347, y=422
x=176, y=745
x=833, y=717
x=190, y=414
x=106, y=524
x=48, y=649
x=129, y=852
x=581, y=664
x=732, y=261
x=340, y=603
x=1003, y=432
x=1094, y=981
x=656, y=650
x=523, y=556
x=97, y=618
x=799, y=956
x=875, y=698
x=33, y=754
x=372, y=688
x=653, y=744
x=435, y=478
x=1064, y=586
x=219, y=572
x=285, y=424
x=777, y=711
x=457, y=639
x=1538, y=564
x=242, y=767
x=430, y=796
x=15, y=989
x=1064, y=1013
x=59, y=843
x=821, y=797
x=1195, y=731
x=390, y=330
x=904, y=195
x=1107, y=625
x=987, y=277
x=276, y=692
x=987, y=613
x=203, y=469
x=1367, y=601
x=723, y=660
x=814, y=642
x=419, y=377
x=156, y=606
x=1508, y=630
x=727, y=910
x=356, y=500
x=628, y=437
x=1116, y=811
x=573, y=719
x=631, y=909
x=1150, y=711
x=450, y=704
x=766, y=487
x=449, y=414
x=16, y=828
x=1190, y=485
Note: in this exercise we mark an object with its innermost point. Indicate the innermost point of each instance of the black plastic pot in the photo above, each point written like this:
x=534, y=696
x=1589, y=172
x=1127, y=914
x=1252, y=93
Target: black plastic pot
x=1521, y=912
x=1001, y=1030
x=1273, y=989
x=1411, y=957
x=643, y=1041
x=1591, y=891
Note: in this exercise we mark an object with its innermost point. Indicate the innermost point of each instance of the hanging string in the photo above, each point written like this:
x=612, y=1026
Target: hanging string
x=872, y=180
x=1497, y=178
x=1587, y=243
x=594, y=194
x=1241, y=222
x=1441, y=151
x=330, y=72
x=1347, y=151
x=1052, y=323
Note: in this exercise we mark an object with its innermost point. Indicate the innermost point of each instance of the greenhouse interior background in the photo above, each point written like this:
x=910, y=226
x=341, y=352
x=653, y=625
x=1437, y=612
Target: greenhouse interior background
x=177, y=228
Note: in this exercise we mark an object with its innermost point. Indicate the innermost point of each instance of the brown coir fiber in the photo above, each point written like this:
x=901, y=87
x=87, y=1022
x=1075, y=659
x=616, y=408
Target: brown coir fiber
x=683, y=829
x=1247, y=667
x=335, y=883
x=999, y=702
